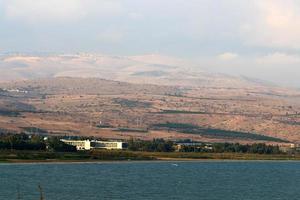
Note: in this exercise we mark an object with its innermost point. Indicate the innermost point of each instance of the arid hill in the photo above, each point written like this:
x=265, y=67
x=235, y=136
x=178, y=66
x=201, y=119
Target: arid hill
x=113, y=109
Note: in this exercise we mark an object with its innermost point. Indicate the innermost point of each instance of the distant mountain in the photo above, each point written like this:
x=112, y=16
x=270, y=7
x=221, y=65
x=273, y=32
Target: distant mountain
x=149, y=69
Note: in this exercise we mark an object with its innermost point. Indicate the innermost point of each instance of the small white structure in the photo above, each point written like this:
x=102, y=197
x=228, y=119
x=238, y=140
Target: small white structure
x=95, y=144
x=80, y=144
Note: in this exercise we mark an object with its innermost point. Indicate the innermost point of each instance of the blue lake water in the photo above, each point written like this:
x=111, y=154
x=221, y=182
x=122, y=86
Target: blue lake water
x=153, y=180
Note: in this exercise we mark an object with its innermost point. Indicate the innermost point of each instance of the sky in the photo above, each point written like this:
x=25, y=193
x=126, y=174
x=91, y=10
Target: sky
x=255, y=38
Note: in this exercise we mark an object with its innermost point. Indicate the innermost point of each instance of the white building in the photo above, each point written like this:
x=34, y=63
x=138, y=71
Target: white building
x=80, y=144
x=95, y=144
x=107, y=145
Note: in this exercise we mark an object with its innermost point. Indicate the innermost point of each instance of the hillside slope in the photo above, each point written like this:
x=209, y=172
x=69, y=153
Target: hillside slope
x=111, y=109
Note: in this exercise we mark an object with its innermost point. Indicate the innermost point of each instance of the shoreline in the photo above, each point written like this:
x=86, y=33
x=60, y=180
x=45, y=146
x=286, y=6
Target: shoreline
x=105, y=156
x=161, y=160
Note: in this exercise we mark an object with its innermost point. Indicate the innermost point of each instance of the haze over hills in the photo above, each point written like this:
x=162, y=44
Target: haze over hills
x=146, y=69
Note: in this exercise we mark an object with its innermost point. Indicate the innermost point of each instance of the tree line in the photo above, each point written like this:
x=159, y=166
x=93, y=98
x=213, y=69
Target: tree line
x=156, y=145
x=160, y=145
x=33, y=142
x=258, y=148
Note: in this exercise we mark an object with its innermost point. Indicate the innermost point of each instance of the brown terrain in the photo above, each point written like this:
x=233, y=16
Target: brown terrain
x=113, y=109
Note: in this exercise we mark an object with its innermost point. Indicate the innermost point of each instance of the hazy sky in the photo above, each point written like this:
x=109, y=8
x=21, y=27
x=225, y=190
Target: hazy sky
x=258, y=38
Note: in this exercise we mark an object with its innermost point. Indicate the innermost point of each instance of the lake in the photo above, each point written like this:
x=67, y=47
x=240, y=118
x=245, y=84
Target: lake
x=229, y=180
